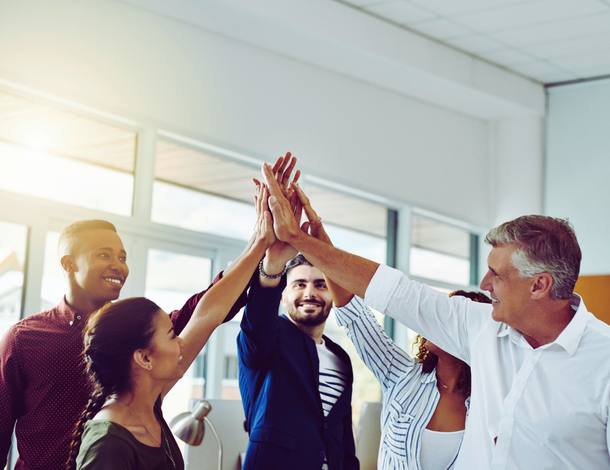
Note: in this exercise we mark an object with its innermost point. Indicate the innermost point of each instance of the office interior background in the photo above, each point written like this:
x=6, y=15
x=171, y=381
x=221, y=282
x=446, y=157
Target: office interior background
x=418, y=125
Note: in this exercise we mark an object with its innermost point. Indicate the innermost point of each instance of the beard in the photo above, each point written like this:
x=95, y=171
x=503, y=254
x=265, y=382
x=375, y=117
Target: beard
x=306, y=318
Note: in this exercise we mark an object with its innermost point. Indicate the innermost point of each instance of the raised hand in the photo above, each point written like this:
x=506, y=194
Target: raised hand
x=264, y=222
x=282, y=169
x=285, y=225
x=314, y=223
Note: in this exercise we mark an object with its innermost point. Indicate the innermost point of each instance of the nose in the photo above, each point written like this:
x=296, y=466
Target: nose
x=182, y=343
x=485, y=284
x=309, y=292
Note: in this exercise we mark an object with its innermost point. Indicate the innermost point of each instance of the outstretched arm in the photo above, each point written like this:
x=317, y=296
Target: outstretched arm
x=213, y=307
x=349, y=271
x=340, y=296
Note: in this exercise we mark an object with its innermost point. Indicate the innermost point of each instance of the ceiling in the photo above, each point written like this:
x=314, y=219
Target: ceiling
x=550, y=41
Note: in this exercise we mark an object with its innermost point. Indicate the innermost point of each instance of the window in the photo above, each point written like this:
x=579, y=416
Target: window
x=171, y=279
x=13, y=239
x=203, y=192
x=441, y=252
x=64, y=157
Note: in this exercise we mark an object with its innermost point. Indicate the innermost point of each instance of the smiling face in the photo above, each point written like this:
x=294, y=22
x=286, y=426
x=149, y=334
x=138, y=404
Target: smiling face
x=166, y=350
x=510, y=293
x=98, y=268
x=306, y=297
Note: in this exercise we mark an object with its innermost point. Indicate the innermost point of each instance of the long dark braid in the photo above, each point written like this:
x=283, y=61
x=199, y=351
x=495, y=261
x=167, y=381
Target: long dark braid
x=112, y=335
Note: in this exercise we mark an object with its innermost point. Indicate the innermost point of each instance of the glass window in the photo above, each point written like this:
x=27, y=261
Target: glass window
x=13, y=240
x=440, y=251
x=53, y=282
x=203, y=192
x=171, y=278
x=76, y=159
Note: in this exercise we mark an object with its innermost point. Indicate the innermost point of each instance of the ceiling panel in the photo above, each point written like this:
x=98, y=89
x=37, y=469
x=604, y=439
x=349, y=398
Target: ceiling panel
x=528, y=14
x=547, y=40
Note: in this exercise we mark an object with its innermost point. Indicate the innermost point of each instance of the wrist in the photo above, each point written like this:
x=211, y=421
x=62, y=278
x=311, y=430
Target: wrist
x=269, y=272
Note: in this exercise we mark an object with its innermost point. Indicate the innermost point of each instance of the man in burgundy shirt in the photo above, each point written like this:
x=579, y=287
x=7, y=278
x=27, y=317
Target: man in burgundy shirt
x=43, y=386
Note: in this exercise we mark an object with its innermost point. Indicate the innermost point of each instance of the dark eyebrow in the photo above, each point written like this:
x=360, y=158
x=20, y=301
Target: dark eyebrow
x=320, y=280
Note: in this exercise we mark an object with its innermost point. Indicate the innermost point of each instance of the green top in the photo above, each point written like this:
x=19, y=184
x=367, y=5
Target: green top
x=106, y=444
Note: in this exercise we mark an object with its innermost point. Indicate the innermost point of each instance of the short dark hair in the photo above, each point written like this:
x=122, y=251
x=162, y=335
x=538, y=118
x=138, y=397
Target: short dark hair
x=69, y=238
x=545, y=245
x=298, y=260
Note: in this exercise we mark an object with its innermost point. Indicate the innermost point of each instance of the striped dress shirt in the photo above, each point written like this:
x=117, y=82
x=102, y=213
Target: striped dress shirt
x=409, y=395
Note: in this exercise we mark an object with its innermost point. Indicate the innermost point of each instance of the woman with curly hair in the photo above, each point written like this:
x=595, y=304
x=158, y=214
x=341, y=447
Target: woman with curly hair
x=133, y=358
x=426, y=400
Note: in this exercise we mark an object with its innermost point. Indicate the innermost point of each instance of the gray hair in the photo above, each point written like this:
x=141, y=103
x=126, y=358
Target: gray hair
x=545, y=245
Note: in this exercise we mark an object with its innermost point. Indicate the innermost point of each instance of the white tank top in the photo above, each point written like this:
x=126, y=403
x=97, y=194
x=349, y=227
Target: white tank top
x=439, y=449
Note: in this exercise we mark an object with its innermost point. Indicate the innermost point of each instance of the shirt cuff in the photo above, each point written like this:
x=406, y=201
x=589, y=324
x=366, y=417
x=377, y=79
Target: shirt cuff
x=382, y=286
x=350, y=312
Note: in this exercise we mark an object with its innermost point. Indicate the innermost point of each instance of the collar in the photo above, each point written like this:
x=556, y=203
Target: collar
x=69, y=315
x=568, y=339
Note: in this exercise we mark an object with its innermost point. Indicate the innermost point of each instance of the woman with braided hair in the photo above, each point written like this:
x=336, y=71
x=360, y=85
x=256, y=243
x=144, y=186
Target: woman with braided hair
x=133, y=358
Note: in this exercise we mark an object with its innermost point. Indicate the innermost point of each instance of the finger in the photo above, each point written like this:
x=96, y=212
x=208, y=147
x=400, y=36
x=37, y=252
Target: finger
x=288, y=171
x=296, y=177
x=305, y=227
x=256, y=182
x=278, y=163
x=278, y=173
x=298, y=211
x=311, y=214
x=272, y=184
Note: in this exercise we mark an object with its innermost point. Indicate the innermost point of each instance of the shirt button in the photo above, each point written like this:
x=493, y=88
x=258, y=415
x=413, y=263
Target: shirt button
x=78, y=317
x=325, y=425
x=322, y=454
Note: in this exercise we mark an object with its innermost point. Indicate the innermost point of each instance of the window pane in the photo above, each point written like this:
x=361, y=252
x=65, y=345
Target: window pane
x=194, y=210
x=171, y=278
x=440, y=252
x=53, y=283
x=13, y=240
x=203, y=192
x=77, y=159
x=347, y=211
x=361, y=244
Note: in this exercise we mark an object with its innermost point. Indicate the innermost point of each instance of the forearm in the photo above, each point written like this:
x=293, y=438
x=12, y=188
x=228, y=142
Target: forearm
x=351, y=272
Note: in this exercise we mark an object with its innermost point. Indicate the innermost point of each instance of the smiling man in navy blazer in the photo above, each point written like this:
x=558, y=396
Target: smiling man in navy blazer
x=296, y=384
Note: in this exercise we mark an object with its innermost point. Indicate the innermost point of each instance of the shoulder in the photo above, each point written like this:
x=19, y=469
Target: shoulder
x=105, y=441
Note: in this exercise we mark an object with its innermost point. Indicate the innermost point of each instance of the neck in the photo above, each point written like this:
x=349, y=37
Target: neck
x=448, y=372
x=549, y=323
x=83, y=304
x=314, y=332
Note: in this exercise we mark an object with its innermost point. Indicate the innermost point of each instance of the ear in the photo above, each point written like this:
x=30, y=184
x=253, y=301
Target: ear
x=67, y=264
x=142, y=359
x=541, y=286
x=284, y=301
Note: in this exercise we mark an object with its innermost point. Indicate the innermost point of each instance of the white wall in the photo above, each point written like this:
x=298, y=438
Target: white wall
x=187, y=79
x=578, y=167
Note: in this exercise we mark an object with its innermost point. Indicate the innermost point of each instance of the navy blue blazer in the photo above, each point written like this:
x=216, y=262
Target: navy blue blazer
x=278, y=380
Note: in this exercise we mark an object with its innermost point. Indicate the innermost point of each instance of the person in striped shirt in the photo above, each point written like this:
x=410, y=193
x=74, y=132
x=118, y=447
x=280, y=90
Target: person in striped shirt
x=425, y=400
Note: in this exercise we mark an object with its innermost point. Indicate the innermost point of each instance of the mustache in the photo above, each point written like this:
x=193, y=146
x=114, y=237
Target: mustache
x=320, y=303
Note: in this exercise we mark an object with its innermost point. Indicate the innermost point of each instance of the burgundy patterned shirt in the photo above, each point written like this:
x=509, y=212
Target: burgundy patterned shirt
x=43, y=386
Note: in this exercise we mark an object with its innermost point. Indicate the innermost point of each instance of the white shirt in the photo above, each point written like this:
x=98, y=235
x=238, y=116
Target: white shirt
x=548, y=407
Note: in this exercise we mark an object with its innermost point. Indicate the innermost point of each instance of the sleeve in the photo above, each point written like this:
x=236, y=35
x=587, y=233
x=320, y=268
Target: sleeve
x=259, y=326
x=449, y=322
x=11, y=390
x=181, y=317
x=373, y=345
x=107, y=452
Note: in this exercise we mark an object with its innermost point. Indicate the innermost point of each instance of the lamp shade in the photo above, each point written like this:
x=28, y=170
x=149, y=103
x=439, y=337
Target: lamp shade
x=189, y=426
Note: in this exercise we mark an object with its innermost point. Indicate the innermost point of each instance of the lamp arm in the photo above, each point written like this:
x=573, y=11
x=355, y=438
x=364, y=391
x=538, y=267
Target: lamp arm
x=207, y=421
